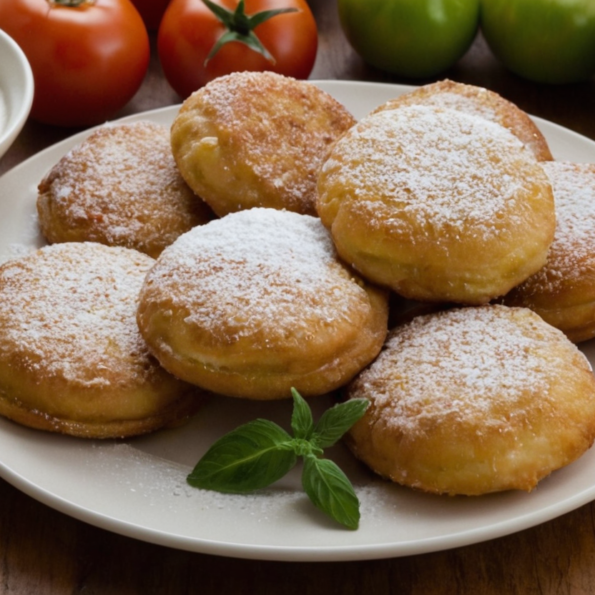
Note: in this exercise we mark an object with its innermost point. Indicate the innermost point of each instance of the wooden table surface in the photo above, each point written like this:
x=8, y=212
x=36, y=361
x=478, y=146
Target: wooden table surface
x=45, y=552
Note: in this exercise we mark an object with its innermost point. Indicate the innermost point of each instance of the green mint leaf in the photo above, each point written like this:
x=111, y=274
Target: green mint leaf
x=302, y=422
x=335, y=421
x=250, y=457
x=305, y=447
x=259, y=453
x=330, y=490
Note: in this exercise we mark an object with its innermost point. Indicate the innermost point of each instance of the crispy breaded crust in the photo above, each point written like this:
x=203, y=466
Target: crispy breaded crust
x=482, y=102
x=256, y=139
x=71, y=357
x=119, y=187
x=474, y=400
x=258, y=302
x=563, y=291
x=437, y=204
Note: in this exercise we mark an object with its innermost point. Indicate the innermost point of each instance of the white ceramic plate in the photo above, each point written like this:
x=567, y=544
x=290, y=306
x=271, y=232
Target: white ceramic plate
x=16, y=90
x=137, y=487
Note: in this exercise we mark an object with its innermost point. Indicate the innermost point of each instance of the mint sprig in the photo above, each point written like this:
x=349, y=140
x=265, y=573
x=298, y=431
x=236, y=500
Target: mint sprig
x=258, y=453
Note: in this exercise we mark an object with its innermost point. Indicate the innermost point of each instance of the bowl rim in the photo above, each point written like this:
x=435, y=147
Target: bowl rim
x=17, y=117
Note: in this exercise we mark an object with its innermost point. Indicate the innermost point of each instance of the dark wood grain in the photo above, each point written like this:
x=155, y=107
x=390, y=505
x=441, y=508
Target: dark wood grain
x=43, y=552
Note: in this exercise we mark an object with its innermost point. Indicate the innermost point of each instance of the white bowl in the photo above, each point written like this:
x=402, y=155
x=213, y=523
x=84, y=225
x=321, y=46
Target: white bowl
x=16, y=90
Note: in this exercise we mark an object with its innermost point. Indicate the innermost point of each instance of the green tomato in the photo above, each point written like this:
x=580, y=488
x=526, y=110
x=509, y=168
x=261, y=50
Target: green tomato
x=412, y=38
x=547, y=41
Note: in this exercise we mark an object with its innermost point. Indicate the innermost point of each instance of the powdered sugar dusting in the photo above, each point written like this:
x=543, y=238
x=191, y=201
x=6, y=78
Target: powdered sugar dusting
x=152, y=480
x=462, y=102
x=278, y=128
x=470, y=362
x=69, y=310
x=571, y=256
x=257, y=270
x=120, y=187
x=440, y=167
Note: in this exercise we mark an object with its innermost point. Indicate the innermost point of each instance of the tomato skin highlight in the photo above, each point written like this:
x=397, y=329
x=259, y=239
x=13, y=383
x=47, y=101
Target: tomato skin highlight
x=410, y=38
x=87, y=61
x=189, y=30
x=545, y=41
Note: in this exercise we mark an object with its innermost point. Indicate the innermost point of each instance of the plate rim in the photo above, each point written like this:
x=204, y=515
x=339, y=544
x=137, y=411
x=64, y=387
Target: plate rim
x=348, y=552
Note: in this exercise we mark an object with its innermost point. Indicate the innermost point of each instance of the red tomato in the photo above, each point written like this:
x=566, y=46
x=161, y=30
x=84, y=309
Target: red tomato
x=151, y=11
x=87, y=60
x=189, y=30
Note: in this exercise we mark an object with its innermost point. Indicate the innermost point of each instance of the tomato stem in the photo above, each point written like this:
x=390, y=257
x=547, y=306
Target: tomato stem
x=240, y=27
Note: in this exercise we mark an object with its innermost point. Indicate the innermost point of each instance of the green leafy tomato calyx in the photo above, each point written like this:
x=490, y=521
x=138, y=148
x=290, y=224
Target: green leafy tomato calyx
x=240, y=27
x=259, y=453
